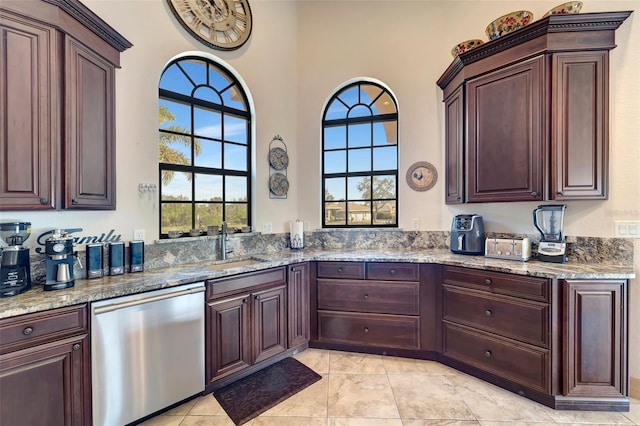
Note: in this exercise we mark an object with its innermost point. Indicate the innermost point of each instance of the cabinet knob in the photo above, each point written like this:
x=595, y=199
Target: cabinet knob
x=534, y=194
x=366, y=297
x=521, y=392
x=339, y=269
x=256, y=297
x=487, y=354
x=366, y=330
x=487, y=281
x=488, y=313
x=76, y=347
x=244, y=300
x=44, y=201
x=27, y=331
x=74, y=201
x=392, y=271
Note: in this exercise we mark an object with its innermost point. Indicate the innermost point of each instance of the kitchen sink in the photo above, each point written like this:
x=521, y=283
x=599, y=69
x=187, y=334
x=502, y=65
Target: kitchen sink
x=228, y=264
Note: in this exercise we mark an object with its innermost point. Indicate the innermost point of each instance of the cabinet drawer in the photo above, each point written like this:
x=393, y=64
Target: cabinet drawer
x=497, y=282
x=369, y=296
x=221, y=286
x=33, y=329
x=520, y=363
x=392, y=331
x=515, y=318
x=393, y=271
x=353, y=270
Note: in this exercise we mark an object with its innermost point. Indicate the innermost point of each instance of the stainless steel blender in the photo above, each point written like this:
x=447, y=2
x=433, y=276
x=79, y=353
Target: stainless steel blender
x=549, y=219
x=15, y=267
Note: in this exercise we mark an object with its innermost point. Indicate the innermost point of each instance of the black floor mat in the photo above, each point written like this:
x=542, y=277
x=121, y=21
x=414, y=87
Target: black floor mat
x=253, y=395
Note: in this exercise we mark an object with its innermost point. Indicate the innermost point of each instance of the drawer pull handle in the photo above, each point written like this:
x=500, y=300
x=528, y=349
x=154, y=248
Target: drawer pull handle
x=392, y=271
x=244, y=300
x=487, y=281
x=366, y=330
x=488, y=313
x=27, y=331
x=76, y=347
x=366, y=297
x=487, y=354
x=339, y=269
x=256, y=297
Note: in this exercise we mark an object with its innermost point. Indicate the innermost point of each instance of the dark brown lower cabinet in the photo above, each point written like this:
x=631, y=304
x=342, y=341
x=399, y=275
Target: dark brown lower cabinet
x=595, y=344
x=298, y=303
x=246, y=321
x=44, y=369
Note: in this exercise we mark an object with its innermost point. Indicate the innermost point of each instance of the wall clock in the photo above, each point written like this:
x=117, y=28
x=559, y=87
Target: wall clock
x=421, y=176
x=220, y=24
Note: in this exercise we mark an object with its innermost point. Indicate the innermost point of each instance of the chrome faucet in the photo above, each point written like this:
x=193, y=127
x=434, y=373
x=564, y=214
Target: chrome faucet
x=223, y=242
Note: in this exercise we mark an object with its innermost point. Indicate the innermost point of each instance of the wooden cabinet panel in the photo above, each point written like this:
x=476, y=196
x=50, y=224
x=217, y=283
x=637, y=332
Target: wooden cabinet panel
x=298, y=304
x=90, y=144
x=396, y=297
x=454, y=148
x=28, y=141
x=518, y=319
x=595, y=342
x=353, y=270
x=228, y=336
x=581, y=130
x=393, y=331
x=495, y=282
x=506, y=133
x=520, y=363
x=269, y=312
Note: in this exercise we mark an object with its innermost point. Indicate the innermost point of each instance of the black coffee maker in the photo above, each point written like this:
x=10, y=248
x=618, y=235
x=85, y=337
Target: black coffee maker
x=15, y=267
x=467, y=234
x=60, y=259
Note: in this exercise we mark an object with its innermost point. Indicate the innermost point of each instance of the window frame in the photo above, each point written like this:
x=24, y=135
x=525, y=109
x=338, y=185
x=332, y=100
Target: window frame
x=192, y=102
x=371, y=172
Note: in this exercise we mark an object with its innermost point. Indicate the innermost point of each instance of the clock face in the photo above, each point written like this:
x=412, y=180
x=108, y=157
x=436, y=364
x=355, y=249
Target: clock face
x=220, y=24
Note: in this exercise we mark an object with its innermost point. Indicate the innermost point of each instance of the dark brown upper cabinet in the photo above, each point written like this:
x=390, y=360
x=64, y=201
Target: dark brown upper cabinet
x=57, y=149
x=526, y=115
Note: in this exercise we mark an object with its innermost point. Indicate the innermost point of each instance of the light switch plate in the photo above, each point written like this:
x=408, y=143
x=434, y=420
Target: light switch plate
x=266, y=228
x=627, y=229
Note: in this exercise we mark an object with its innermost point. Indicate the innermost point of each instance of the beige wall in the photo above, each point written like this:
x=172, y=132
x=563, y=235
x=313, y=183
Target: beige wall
x=298, y=54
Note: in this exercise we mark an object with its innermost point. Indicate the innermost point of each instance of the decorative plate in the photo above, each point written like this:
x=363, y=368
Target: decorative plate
x=422, y=176
x=278, y=158
x=279, y=184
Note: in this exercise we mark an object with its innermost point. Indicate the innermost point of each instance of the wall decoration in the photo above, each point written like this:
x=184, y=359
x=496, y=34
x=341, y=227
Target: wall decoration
x=278, y=163
x=220, y=24
x=422, y=176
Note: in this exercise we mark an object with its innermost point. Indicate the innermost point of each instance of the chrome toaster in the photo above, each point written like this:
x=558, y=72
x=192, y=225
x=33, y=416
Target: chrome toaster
x=508, y=248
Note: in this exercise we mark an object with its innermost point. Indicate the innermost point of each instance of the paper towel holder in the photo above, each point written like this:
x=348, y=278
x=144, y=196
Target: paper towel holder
x=296, y=235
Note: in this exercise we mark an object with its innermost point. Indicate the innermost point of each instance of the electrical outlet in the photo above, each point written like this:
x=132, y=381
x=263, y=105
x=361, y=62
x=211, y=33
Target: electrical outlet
x=266, y=228
x=415, y=224
x=138, y=234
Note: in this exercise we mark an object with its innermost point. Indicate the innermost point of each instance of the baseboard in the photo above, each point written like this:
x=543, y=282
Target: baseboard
x=634, y=388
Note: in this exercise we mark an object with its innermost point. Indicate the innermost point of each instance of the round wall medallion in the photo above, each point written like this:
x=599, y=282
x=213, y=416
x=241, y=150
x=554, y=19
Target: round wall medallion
x=278, y=158
x=422, y=176
x=279, y=184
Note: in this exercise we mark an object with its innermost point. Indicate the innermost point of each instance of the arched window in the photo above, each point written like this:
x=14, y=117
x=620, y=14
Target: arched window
x=205, y=147
x=360, y=157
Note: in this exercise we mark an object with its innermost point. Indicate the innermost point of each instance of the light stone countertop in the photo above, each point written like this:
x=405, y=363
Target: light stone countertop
x=84, y=291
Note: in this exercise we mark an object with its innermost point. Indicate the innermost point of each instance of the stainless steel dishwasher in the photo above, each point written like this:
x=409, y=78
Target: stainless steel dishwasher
x=147, y=352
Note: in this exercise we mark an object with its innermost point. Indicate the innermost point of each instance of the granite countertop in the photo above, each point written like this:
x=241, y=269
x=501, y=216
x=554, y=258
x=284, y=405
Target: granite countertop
x=84, y=291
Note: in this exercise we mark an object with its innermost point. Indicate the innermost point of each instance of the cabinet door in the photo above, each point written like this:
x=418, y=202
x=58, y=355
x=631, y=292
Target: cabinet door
x=228, y=336
x=595, y=343
x=28, y=117
x=580, y=131
x=298, y=304
x=506, y=133
x=89, y=155
x=269, y=310
x=454, y=148
x=46, y=384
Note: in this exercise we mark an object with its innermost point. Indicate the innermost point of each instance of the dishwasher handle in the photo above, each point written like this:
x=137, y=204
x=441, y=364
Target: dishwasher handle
x=115, y=306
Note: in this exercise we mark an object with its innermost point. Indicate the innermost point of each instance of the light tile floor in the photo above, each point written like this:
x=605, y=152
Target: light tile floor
x=374, y=390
